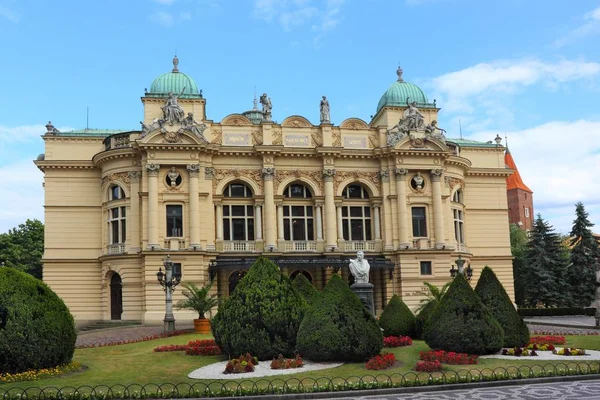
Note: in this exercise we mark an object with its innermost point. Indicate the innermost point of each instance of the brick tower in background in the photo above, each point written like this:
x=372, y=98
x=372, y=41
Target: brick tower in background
x=520, y=197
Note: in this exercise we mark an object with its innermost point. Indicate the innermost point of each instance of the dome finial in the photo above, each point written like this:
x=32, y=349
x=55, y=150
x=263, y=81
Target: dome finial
x=399, y=73
x=175, y=64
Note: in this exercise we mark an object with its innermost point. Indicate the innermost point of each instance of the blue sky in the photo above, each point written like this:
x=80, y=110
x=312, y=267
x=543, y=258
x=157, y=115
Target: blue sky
x=528, y=69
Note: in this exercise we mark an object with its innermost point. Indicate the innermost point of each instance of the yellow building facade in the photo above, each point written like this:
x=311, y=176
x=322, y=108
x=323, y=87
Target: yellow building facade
x=216, y=195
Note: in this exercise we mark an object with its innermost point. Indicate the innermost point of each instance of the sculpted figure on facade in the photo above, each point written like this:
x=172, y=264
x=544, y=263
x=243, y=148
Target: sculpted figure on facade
x=172, y=111
x=325, y=114
x=267, y=106
x=418, y=181
x=194, y=127
x=431, y=131
x=414, y=119
x=359, y=267
x=156, y=124
x=173, y=175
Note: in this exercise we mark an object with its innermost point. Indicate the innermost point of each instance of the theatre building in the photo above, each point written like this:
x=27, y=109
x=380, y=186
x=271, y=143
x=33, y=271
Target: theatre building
x=214, y=195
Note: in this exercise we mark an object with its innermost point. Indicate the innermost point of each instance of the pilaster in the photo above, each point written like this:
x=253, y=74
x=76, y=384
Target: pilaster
x=401, y=174
x=438, y=211
x=153, y=170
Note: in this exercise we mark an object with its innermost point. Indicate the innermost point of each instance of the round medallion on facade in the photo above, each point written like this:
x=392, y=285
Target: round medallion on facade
x=173, y=178
x=417, y=182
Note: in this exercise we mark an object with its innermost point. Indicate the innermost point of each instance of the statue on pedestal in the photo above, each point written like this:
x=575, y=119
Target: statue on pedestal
x=359, y=268
x=172, y=111
x=324, y=108
x=267, y=106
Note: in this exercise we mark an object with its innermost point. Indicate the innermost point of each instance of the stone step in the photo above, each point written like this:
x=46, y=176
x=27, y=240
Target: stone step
x=109, y=324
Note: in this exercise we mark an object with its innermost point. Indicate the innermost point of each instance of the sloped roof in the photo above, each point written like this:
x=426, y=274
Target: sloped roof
x=514, y=181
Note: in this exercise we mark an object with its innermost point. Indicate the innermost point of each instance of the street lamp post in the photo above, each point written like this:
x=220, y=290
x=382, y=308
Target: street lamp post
x=460, y=263
x=168, y=281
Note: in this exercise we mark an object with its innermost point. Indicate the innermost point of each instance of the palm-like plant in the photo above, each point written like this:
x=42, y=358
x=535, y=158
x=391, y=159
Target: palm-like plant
x=435, y=294
x=197, y=299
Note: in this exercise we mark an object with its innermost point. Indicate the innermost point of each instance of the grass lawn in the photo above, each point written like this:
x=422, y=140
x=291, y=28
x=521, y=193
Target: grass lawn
x=137, y=363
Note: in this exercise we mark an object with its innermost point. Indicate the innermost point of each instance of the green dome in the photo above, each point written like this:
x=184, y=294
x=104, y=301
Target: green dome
x=174, y=82
x=397, y=94
x=254, y=115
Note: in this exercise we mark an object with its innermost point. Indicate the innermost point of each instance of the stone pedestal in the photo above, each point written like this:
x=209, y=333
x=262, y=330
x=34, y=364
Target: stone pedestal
x=364, y=291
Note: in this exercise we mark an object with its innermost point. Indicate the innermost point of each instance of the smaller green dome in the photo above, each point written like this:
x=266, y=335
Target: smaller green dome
x=254, y=115
x=400, y=90
x=174, y=82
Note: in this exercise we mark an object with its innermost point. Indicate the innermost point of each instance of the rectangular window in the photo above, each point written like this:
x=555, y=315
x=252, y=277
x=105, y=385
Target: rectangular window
x=177, y=270
x=419, y=222
x=238, y=222
x=117, y=225
x=356, y=223
x=526, y=212
x=426, y=268
x=298, y=223
x=174, y=221
x=459, y=229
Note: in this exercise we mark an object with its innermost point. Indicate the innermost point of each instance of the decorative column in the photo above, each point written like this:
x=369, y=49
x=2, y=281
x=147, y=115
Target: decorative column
x=219, y=221
x=270, y=225
x=133, y=223
x=153, y=170
x=388, y=234
x=208, y=211
x=280, y=235
x=330, y=218
x=402, y=208
x=377, y=222
x=438, y=211
x=194, y=173
x=340, y=223
x=319, y=208
x=258, y=218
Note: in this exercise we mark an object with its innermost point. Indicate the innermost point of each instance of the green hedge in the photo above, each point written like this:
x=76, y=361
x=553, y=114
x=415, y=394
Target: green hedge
x=40, y=330
x=554, y=312
x=397, y=319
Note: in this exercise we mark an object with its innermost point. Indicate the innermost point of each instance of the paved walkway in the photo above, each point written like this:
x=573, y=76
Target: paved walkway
x=121, y=334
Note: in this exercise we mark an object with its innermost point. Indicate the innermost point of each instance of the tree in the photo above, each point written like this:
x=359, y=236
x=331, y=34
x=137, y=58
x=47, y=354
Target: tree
x=262, y=315
x=23, y=247
x=462, y=323
x=585, y=256
x=338, y=327
x=546, y=267
x=494, y=296
x=518, y=246
x=397, y=319
x=435, y=294
x=304, y=288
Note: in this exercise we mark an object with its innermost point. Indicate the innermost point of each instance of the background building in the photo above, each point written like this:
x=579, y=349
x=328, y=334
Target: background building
x=520, y=197
x=215, y=195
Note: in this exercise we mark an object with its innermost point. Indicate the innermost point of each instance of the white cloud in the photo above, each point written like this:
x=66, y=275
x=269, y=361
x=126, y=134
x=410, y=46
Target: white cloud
x=164, y=2
x=590, y=27
x=559, y=161
x=162, y=18
x=185, y=16
x=24, y=194
x=8, y=13
x=21, y=134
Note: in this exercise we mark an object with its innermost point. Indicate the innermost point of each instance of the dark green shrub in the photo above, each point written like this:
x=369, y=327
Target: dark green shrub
x=492, y=294
x=262, y=315
x=304, y=288
x=39, y=331
x=337, y=327
x=423, y=317
x=461, y=323
x=397, y=319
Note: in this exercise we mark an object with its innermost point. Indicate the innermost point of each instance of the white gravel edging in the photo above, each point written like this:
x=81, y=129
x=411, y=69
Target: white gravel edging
x=547, y=355
x=215, y=371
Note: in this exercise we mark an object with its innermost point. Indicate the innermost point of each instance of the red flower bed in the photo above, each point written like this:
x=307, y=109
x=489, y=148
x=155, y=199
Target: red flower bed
x=381, y=361
x=428, y=366
x=548, y=339
x=193, y=348
x=287, y=363
x=397, y=341
x=241, y=364
x=448, y=357
x=143, y=339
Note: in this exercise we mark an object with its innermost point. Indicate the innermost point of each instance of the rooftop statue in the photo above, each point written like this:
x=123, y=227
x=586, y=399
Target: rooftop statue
x=194, y=127
x=325, y=115
x=431, y=130
x=172, y=111
x=156, y=124
x=266, y=106
x=415, y=120
x=359, y=267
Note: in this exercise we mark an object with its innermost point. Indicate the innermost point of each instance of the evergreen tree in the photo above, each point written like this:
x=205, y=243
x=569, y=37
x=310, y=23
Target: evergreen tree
x=304, y=288
x=397, y=319
x=22, y=248
x=546, y=267
x=585, y=256
x=518, y=245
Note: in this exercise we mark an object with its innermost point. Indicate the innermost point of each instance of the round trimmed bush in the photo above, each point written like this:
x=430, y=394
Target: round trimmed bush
x=304, y=288
x=423, y=316
x=492, y=294
x=262, y=315
x=39, y=331
x=462, y=323
x=397, y=319
x=338, y=327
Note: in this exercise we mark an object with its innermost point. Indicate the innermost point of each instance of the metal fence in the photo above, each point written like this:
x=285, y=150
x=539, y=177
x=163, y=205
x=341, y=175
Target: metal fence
x=262, y=386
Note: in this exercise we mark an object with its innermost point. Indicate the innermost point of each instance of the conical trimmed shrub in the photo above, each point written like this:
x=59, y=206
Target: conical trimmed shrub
x=36, y=328
x=262, y=315
x=423, y=316
x=338, y=327
x=397, y=319
x=304, y=288
x=462, y=323
x=492, y=294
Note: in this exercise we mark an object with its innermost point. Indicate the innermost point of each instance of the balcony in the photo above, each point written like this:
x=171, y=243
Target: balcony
x=117, y=248
x=422, y=244
x=360, y=246
x=239, y=245
x=174, y=244
x=461, y=248
x=300, y=246
x=117, y=141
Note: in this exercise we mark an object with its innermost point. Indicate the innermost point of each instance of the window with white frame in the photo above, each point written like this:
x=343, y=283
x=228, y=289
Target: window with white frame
x=298, y=220
x=419, y=221
x=238, y=213
x=174, y=220
x=356, y=213
x=117, y=222
x=459, y=225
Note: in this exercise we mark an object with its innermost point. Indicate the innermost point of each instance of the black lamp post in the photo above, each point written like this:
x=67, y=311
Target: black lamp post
x=168, y=281
x=460, y=263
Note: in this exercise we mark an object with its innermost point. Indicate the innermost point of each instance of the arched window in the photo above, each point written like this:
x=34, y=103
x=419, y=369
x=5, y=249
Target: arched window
x=117, y=220
x=356, y=213
x=457, y=197
x=298, y=220
x=238, y=213
x=294, y=274
x=116, y=193
x=234, y=279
